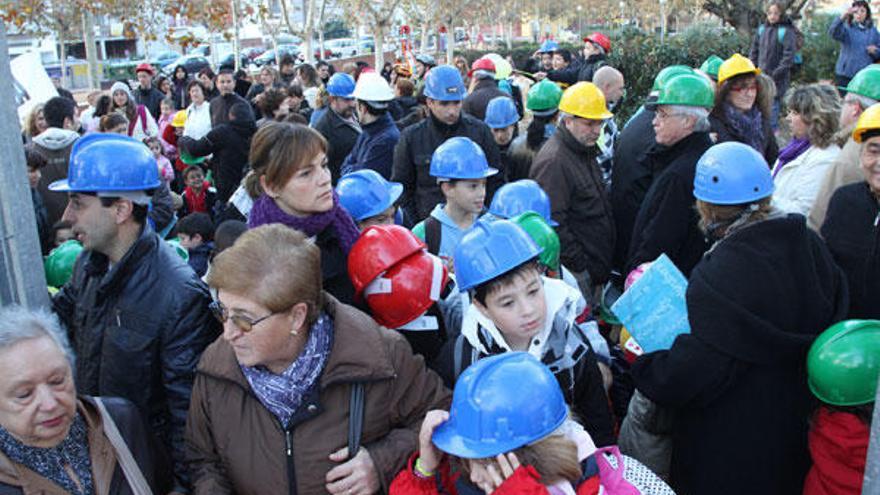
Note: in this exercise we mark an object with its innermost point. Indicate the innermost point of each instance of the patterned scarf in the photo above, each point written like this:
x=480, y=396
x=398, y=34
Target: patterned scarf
x=265, y=211
x=283, y=394
x=749, y=126
x=50, y=463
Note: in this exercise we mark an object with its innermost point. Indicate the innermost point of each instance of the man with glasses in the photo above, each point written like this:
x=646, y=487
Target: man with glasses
x=862, y=92
x=136, y=312
x=667, y=222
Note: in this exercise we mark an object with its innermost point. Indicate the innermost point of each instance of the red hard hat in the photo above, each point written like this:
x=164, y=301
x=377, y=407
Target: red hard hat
x=407, y=290
x=601, y=40
x=377, y=249
x=144, y=67
x=482, y=63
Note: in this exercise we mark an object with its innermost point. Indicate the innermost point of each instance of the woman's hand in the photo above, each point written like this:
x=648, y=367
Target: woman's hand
x=429, y=456
x=872, y=49
x=355, y=477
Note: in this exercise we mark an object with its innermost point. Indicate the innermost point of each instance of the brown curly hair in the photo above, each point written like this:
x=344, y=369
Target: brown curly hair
x=819, y=107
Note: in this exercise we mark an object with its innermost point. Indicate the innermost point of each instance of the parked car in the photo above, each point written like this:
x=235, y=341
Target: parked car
x=228, y=61
x=192, y=63
x=342, y=47
x=203, y=50
x=163, y=59
x=253, y=52
x=269, y=56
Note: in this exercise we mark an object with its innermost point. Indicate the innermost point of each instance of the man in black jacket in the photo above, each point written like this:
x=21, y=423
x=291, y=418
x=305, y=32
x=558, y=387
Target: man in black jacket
x=484, y=88
x=137, y=314
x=444, y=90
x=667, y=221
x=145, y=94
x=230, y=144
x=227, y=97
x=338, y=125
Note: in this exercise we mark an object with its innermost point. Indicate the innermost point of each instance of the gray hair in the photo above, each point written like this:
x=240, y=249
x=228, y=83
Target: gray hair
x=18, y=324
x=863, y=101
x=701, y=115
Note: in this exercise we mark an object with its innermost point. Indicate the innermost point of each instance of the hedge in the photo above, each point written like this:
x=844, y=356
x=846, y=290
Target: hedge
x=640, y=55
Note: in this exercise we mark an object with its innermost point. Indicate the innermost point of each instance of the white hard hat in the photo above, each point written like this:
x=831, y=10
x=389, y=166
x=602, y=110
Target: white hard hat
x=373, y=89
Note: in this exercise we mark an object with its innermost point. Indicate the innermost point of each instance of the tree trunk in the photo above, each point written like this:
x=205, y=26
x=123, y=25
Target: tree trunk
x=91, y=49
x=309, y=28
x=63, y=40
x=379, y=42
x=321, y=30
x=424, y=43
x=236, y=42
x=509, y=36
x=450, y=43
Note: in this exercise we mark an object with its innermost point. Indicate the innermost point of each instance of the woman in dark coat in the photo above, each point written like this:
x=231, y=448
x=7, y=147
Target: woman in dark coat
x=737, y=382
x=291, y=185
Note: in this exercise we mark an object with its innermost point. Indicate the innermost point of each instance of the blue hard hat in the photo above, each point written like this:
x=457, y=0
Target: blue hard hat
x=521, y=196
x=443, y=83
x=501, y=403
x=341, y=85
x=426, y=59
x=501, y=112
x=732, y=173
x=366, y=193
x=109, y=162
x=460, y=158
x=548, y=46
x=491, y=249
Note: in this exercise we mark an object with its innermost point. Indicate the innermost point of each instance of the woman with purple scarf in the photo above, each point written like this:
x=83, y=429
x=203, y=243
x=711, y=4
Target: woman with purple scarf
x=290, y=184
x=813, y=115
x=743, y=107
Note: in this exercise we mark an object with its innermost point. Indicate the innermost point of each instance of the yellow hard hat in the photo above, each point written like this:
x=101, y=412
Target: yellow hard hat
x=585, y=100
x=868, y=121
x=179, y=119
x=734, y=66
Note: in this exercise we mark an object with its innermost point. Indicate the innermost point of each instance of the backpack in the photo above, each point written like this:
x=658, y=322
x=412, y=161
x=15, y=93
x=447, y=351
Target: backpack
x=798, y=42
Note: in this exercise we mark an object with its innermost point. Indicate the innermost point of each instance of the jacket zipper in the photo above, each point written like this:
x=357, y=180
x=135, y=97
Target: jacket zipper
x=291, y=472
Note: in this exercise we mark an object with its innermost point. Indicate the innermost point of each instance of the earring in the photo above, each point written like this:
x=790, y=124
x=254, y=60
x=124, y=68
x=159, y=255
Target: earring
x=294, y=332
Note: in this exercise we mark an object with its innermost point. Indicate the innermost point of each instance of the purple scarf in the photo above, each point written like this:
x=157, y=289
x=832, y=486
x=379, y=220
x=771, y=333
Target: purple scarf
x=265, y=211
x=792, y=150
x=748, y=126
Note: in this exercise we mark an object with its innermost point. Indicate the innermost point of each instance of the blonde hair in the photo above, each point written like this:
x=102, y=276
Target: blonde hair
x=554, y=457
x=279, y=150
x=276, y=266
x=819, y=107
x=30, y=124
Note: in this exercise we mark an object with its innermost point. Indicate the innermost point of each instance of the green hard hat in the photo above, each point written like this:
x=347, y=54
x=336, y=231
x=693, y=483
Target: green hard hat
x=688, y=90
x=544, y=236
x=180, y=250
x=667, y=73
x=711, y=65
x=844, y=362
x=866, y=82
x=544, y=97
x=59, y=264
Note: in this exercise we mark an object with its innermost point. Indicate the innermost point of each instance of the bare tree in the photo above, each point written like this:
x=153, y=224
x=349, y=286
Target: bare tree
x=745, y=15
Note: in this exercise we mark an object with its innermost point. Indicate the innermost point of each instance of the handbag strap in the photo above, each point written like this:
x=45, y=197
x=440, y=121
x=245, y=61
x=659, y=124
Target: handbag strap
x=355, y=419
x=132, y=471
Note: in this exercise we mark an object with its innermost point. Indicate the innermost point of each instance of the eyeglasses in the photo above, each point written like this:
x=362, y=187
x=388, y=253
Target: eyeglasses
x=665, y=116
x=243, y=322
x=742, y=88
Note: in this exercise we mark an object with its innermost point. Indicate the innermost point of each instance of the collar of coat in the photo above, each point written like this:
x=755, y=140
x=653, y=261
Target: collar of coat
x=97, y=263
x=355, y=355
x=666, y=154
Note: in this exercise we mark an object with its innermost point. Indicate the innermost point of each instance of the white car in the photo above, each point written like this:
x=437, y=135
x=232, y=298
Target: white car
x=342, y=47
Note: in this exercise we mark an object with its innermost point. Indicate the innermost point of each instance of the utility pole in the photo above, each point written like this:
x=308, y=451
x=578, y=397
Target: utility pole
x=22, y=280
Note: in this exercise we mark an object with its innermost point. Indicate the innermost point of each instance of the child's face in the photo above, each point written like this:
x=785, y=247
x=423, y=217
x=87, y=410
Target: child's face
x=518, y=309
x=384, y=218
x=195, y=179
x=504, y=135
x=62, y=236
x=190, y=241
x=467, y=194
x=34, y=176
x=178, y=131
x=155, y=148
x=166, y=110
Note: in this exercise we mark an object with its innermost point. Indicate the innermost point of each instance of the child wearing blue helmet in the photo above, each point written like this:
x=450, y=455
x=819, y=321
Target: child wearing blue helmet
x=461, y=169
x=509, y=432
x=515, y=308
x=369, y=198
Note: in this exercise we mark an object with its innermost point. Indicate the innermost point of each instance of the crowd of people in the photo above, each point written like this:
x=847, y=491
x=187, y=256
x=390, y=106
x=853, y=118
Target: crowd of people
x=401, y=280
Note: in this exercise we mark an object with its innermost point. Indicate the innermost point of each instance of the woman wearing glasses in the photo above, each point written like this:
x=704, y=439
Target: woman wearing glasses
x=744, y=106
x=273, y=408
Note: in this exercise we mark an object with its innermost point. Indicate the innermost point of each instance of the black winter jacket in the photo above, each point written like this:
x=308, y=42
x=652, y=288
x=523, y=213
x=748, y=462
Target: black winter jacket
x=667, y=221
x=852, y=232
x=137, y=330
x=230, y=143
x=401, y=107
x=774, y=58
x=477, y=101
x=633, y=177
x=738, y=381
x=576, y=72
x=412, y=160
x=151, y=99
x=220, y=105
x=341, y=136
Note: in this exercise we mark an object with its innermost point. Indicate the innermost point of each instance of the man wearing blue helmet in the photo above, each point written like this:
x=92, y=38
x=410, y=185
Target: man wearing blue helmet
x=137, y=313
x=338, y=125
x=444, y=91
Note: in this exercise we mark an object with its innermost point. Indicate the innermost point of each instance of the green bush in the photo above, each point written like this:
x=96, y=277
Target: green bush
x=820, y=52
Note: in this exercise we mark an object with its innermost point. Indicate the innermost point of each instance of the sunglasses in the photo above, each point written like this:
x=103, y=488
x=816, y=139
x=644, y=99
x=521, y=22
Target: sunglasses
x=243, y=322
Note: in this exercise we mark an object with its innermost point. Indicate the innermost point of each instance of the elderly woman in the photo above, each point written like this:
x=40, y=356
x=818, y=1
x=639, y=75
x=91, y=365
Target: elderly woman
x=141, y=123
x=755, y=302
x=813, y=116
x=744, y=107
x=51, y=441
x=299, y=378
x=290, y=184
